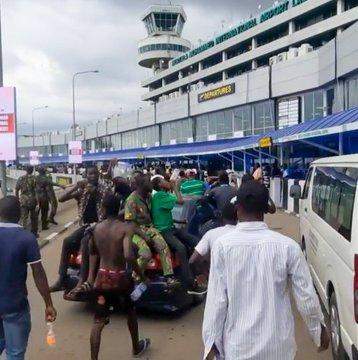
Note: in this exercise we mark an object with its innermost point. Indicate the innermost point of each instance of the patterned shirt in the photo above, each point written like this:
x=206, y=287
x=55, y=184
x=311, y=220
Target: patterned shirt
x=248, y=311
x=137, y=210
x=84, y=195
x=26, y=184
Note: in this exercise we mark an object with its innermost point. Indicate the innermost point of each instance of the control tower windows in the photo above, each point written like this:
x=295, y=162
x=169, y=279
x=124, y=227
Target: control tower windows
x=316, y=15
x=350, y=4
x=165, y=21
x=161, y=47
x=149, y=24
x=272, y=34
x=180, y=25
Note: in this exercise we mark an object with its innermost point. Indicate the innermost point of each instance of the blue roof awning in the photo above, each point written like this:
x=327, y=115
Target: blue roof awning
x=333, y=124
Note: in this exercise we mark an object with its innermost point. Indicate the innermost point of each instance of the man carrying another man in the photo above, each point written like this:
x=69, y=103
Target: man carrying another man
x=137, y=210
x=162, y=204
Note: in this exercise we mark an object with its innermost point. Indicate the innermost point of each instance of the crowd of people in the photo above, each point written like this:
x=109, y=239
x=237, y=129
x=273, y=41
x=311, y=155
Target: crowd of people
x=122, y=221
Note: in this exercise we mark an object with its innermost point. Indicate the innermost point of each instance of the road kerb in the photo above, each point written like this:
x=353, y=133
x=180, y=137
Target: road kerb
x=54, y=235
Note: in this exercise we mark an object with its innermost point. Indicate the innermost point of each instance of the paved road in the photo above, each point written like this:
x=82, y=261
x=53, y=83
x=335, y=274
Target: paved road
x=172, y=338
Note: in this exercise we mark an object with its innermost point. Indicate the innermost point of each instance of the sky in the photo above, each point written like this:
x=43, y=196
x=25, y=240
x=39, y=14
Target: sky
x=46, y=41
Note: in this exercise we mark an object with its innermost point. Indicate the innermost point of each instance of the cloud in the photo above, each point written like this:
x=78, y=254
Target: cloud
x=46, y=42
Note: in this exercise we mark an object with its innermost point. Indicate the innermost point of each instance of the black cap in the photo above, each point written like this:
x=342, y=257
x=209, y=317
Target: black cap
x=253, y=197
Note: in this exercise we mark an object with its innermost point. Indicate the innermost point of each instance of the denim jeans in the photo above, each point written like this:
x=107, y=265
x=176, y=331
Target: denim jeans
x=14, y=333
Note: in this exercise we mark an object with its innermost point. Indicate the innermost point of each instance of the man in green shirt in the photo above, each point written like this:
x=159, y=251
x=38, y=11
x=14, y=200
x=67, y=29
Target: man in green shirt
x=192, y=186
x=162, y=204
x=137, y=211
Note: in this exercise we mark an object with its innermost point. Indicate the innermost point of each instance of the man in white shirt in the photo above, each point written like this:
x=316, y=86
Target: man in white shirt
x=229, y=220
x=248, y=312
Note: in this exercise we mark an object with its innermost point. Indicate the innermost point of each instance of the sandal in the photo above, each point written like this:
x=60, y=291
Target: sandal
x=76, y=293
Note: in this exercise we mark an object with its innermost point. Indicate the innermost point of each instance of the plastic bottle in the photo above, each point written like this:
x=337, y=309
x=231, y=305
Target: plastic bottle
x=51, y=339
x=138, y=291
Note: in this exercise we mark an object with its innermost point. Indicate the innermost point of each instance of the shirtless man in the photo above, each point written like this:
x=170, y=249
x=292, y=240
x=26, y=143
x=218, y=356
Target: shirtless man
x=111, y=247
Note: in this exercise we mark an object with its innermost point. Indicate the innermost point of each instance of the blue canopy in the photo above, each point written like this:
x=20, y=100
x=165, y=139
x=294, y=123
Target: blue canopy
x=333, y=124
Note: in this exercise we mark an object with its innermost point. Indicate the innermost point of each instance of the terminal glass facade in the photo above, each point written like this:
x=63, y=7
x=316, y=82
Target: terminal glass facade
x=143, y=137
x=313, y=105
x=214, y=125
x=243, y=119
x=180, y=131
x=264, y=117
x=352, y=92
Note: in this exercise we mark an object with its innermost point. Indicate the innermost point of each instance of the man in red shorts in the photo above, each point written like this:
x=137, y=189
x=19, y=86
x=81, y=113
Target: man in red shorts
x=111, y=248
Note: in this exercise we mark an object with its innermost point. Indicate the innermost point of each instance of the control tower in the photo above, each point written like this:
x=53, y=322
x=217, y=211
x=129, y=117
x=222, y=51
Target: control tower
x=164, y=24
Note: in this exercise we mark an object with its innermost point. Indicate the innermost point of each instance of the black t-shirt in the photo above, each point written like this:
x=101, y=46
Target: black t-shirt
x=90, y=214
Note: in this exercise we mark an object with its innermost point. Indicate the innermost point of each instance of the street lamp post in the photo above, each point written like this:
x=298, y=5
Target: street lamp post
x=73, y=98
x=33, y=123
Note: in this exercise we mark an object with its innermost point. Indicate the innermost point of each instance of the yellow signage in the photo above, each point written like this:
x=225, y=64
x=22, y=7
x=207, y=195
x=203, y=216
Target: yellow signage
x=265, y=142
x=215, y=93
x=63, y=180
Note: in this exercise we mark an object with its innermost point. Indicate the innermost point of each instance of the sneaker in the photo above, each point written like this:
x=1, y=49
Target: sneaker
x=143, y=347
x=52, y=221
x=197, y=289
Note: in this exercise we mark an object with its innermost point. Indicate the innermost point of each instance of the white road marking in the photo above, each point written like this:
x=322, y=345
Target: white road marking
x=69, y=224
x=51, y=236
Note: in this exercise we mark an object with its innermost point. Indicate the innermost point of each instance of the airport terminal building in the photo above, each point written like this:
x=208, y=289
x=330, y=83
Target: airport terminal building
x=292, y=63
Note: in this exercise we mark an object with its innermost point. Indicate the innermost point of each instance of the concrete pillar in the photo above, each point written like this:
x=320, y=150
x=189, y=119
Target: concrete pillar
x=200, y=66
x=225, y=75
x=340, y=6
x=291, y=27
x=163, y=82
x=181, y=91
x=253, y=43
x=224, y=56
x=180, y=75
x=254, y=65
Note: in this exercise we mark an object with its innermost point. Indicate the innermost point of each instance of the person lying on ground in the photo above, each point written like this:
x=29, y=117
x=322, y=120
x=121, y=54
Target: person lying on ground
x=112, y=249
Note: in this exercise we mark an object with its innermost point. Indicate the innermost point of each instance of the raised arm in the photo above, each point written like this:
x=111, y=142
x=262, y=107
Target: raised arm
x=71, y=193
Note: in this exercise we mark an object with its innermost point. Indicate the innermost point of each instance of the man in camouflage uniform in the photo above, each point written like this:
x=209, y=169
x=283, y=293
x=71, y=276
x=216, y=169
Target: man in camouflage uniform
x=43, y=196
x=25, y=191
x=53, y=200
x=137, y=211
